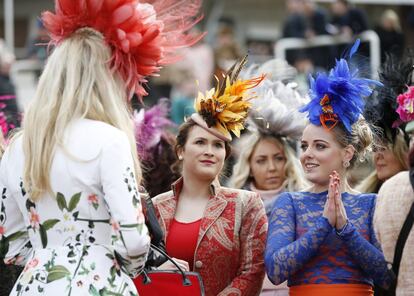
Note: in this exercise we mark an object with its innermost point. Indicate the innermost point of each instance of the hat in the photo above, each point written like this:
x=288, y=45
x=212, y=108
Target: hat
x=150, y=127
x=391, y=106
x=275, y=110
x=142, y=36
x=224, y=109
x=339, y=96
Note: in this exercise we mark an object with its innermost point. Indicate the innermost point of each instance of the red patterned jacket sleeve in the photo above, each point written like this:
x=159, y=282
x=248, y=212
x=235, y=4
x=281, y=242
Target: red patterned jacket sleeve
x=253, y=233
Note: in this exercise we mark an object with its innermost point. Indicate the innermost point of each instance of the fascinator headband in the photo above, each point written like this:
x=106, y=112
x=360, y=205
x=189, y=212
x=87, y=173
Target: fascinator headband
x=142, y=36
x=150, y=127
x=391, y=106
x=338, y=96
x=275, y=110
x=224, y=109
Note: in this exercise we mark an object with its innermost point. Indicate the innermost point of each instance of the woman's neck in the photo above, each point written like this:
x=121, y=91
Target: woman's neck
x=345, y=187
x=195, y=188
x=266, y=194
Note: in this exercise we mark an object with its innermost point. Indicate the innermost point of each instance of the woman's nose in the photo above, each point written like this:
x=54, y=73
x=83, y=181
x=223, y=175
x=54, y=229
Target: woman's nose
x=272, y=165
x=209, y=150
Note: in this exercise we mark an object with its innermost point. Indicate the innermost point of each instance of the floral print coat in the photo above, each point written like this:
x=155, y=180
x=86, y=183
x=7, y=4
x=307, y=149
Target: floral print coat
x=230, y=249
x=89, y=236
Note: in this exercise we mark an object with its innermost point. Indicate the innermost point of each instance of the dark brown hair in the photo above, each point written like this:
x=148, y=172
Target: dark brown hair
x=157, y=171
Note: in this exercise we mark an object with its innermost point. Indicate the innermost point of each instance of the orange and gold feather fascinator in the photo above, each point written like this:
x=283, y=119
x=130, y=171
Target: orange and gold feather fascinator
x=224, y=109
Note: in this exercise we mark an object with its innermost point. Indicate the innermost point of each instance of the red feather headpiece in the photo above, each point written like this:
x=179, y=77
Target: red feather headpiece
x=142, y=36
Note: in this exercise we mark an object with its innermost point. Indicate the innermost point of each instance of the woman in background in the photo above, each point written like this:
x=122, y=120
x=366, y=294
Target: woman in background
x=266, y=162
x=396, y=196
x=390, y=155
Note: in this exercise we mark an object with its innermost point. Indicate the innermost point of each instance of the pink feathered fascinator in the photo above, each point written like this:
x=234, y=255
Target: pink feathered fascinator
x=143, y=35
x=150, y=127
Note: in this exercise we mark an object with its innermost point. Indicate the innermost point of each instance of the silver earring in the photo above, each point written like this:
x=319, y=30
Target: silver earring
x=346, y=164
x=180, y=157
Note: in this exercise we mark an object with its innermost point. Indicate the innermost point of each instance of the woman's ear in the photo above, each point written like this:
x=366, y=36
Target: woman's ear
x=349, y=152
x=179, y=153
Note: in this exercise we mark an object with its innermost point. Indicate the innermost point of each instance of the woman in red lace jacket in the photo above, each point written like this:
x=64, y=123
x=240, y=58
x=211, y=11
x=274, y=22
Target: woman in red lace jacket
x=216, y=231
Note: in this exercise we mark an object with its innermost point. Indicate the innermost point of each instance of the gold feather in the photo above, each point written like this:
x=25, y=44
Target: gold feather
x=226, y=107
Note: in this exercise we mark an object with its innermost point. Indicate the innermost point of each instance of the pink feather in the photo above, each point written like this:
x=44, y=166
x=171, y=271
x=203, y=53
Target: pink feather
x=143, y=36
x=149, y=127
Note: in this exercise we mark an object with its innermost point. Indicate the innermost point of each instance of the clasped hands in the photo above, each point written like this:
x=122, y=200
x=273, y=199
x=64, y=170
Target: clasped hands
x=334, y=209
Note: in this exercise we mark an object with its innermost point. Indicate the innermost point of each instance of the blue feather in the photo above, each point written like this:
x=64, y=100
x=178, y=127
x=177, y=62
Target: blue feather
x=354, y=48
x=345, y=89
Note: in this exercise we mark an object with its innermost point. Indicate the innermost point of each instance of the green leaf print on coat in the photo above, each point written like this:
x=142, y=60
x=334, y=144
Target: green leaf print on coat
x=42, y=228
x=93, y=291
x=5, y=242
x=48, y=224
x=57, y=272
x=130, y=181
x=61, y=201
x=43, y=235
x=74, y=201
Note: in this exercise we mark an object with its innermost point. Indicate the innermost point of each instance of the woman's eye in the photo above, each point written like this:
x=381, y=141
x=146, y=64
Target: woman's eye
x=280, y=158
x=198, y=142
x=219, y=145
x=320, y=146
x=303, y=147
x=260, y=161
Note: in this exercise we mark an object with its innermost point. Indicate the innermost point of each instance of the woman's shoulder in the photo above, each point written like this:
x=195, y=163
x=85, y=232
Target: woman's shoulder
x=95, y=129
x=156, y=200
x=400, y=179
x=14, y=150
x=397, y=187
x=231, y=193
x=86, y=138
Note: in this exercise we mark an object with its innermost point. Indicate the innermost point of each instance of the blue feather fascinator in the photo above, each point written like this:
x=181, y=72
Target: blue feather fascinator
x=338, y=96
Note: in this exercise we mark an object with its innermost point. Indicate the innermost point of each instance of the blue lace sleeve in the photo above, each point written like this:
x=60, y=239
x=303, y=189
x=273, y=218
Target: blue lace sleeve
x=368, y=254
x=284, y=253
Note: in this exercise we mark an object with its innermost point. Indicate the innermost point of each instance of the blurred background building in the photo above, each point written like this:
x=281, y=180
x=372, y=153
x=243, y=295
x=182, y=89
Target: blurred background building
x=321, y=29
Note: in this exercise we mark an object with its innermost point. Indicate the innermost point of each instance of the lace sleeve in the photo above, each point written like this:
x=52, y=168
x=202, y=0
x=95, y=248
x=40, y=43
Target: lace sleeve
x=284, y=253
x=368, y=254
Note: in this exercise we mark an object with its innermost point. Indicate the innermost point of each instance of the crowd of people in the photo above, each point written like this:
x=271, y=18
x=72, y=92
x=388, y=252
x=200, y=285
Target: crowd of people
x=94, y=193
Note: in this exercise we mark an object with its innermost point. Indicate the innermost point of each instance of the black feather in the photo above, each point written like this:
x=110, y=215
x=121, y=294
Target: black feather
x=381, y=106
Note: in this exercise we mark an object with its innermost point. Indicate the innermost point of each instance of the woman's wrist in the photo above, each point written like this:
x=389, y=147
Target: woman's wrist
x=342, y=230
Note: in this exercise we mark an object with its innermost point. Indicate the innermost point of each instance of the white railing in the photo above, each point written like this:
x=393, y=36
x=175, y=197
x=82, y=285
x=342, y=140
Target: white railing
x=24, y=74
x=285, y=44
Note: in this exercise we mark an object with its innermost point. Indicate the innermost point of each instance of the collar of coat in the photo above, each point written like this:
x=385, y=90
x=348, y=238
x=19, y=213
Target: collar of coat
x=167, y=204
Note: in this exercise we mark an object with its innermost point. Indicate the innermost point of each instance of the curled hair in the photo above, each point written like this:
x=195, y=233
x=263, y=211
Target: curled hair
x=294, y=179
x=157, y=172
x=361, y=138
x=181, y=140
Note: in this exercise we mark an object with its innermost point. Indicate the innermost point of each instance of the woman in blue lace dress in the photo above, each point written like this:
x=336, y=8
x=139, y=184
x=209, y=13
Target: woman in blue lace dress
x=322, y=240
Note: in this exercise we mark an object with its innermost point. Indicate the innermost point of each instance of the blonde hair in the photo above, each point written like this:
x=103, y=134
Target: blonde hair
x=361, y=138
x=77, y=82
x=392, y=16
x=241, y=171
x=400, y=150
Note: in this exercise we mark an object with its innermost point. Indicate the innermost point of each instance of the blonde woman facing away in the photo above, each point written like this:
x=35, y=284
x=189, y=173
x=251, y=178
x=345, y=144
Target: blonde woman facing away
x=70, y=209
